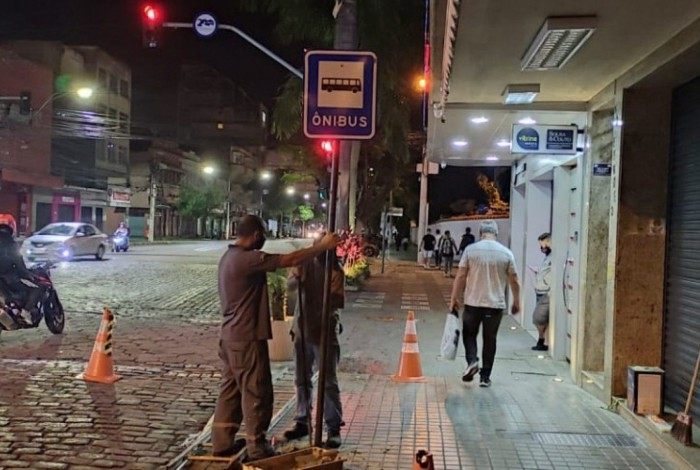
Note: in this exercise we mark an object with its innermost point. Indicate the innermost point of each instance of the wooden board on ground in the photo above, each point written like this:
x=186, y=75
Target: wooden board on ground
x=313, y=458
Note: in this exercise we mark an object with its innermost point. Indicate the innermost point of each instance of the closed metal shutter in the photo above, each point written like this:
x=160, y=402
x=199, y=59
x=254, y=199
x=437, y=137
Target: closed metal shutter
x=682, y=322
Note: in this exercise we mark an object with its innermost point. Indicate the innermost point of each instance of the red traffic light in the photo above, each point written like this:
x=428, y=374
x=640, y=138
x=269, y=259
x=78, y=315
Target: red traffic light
x=152, y=24
x=327, y=146
x=152, y=14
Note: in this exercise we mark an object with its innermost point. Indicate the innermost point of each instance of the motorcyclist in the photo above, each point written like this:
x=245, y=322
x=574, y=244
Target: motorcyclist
x=16, y=280
x=122, y=230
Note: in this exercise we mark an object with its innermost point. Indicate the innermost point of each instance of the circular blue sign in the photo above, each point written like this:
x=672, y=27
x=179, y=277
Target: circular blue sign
x=528, y=139
x=205, y=25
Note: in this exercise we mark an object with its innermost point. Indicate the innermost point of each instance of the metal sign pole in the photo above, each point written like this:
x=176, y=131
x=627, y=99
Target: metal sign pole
x=326, y=314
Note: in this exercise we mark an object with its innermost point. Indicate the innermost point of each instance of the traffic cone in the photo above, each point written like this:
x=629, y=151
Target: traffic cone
x=101, y=366
x=409, y=364
x=423, y=461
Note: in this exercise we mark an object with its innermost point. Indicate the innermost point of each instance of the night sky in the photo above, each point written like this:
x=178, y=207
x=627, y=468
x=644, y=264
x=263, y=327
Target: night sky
x=115, y=25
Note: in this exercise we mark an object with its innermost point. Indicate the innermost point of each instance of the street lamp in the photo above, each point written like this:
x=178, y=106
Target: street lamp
x=208, y=170
x=290, y=191
x=306, y=196
x=84, y=92
x=265, y=175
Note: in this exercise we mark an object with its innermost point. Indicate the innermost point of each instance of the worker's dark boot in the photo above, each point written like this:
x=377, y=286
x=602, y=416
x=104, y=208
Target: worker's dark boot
x=297, y=432
x=333, y=441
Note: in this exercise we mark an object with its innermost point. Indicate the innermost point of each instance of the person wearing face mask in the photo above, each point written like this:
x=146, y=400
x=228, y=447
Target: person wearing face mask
x=543, y=282
x=246, y=389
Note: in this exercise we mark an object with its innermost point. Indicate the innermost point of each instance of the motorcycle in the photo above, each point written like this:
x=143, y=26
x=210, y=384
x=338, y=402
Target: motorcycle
x=120, y=242
x=14, y=317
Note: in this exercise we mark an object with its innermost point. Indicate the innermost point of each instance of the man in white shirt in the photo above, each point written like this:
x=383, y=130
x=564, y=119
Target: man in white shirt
x=486, y=269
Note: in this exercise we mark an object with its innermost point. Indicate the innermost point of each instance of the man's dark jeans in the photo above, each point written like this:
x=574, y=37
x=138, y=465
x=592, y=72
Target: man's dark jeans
x=472, y=319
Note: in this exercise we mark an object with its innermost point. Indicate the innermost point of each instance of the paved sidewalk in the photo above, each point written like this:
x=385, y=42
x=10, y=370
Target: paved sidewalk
x=532, y=417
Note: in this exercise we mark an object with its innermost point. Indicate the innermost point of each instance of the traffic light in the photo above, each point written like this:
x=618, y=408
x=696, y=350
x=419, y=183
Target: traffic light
x=327, y=146
x=152, y=22
x=25, y=103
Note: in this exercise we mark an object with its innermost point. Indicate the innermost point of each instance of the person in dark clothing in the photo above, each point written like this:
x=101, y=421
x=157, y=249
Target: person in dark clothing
x=12, y=272
x=246, y=387
x=467, y=239
x=307, y=280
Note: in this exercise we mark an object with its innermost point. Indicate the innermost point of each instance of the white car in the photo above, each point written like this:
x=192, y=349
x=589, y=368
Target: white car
x=65, y=241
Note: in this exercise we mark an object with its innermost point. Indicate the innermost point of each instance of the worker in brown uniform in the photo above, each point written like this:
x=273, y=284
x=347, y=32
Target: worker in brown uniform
x=246, y=388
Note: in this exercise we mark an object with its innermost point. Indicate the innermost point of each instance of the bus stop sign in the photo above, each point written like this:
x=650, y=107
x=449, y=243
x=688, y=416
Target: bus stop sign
x=340, y=97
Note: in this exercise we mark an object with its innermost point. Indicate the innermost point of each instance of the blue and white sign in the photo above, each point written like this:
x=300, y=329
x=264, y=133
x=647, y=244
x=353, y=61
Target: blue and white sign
x=340, y=98
x=552, y=140
x=205, y=25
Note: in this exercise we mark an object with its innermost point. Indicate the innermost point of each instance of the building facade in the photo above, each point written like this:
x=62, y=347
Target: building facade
x=90, y=136
x=25, y=143
x=622, y=209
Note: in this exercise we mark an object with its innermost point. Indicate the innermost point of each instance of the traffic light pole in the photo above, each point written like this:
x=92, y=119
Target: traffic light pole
x=326, y=313
x=228, y=27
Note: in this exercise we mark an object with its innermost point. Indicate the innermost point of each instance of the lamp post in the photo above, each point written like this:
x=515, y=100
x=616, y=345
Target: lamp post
x=84, y=93
x=264, y=177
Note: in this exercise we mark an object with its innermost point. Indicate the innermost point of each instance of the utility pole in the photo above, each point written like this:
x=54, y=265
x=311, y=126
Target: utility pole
x=346, y=39
x=152, y=207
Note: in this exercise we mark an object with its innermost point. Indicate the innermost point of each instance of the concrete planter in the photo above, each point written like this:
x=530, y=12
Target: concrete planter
x=281, y=346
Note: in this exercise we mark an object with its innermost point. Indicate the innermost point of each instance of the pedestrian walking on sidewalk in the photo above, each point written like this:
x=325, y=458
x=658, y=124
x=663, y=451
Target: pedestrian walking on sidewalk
x=543, y=283
x=246, y=386
x=307, y=279
x=438, y=256
x=467, y=239
x=486, y=269
x=426, y=248
x=447, y=249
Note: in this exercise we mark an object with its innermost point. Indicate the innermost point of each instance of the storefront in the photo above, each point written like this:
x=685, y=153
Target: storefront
x=69, y=205
x=682, y=316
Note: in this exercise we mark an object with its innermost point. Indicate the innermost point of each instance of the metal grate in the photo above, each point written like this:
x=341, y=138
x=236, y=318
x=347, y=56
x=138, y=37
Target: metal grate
x=587, y=440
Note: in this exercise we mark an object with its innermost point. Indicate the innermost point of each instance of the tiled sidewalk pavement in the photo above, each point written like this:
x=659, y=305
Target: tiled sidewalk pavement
x=532, y=417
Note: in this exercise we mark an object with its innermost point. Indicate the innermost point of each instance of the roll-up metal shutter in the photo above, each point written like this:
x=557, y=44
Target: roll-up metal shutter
x=682, y=322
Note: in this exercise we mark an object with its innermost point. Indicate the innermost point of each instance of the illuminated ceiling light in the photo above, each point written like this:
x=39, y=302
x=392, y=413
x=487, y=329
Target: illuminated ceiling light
x=459, y=143
x=557, y=41
x=503, y=143
x=541, y=356
x=513, y=327
x=520, y=93
x=480, y=120
x=528, y=121
x=492, y=158
x=219, y=125
x=558, y=379
x=617, y=122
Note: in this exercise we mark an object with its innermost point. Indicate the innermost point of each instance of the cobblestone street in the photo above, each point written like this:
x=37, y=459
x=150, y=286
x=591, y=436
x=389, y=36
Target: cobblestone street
x=165, y=347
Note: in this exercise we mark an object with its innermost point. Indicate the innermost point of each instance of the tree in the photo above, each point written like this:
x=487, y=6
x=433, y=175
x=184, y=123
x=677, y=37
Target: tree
x=390, y=28
x=199, y=202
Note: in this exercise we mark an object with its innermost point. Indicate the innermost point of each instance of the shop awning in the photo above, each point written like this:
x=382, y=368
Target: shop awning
x=42, y=180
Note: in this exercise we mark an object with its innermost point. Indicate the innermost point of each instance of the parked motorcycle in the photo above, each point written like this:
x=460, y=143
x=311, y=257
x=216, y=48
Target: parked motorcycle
x=120, y=242
x=14, y=317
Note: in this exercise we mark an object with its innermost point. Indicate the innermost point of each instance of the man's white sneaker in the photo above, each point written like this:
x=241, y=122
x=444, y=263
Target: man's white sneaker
x=470, y=372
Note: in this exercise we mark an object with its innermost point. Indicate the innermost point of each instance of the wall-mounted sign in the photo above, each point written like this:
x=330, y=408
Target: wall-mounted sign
x=553, y=140
x=119, y=196
x=602, y=169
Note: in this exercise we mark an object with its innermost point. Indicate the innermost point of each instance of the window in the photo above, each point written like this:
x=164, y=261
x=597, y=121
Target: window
x=102, y=78
x=124, y=88
x=111, y=152
x=113, y=83
x=124, y=123
x=88, y=230
x=123, y=155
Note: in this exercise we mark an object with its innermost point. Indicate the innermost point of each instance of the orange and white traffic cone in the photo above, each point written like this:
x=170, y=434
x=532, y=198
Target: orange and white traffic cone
x=423, y=461
x=101, y=366
x=409, y=364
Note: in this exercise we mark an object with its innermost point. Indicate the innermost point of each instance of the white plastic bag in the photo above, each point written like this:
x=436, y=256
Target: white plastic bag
x=450, y=337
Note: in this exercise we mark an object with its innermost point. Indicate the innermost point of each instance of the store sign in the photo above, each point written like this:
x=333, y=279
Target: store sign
x=552, y=140
x=602, y=169
x=119, y=196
